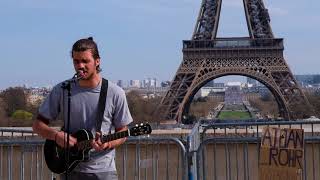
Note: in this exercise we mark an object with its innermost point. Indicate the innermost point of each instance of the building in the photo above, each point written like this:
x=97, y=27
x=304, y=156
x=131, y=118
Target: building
x=308, y=80
x=120, y=83
x=233, y=95
x=165, y=84
x=135, y=83
x=218, y=85
x=150, y=82
x=253, y=82
x=209, y=84
x=205, y=91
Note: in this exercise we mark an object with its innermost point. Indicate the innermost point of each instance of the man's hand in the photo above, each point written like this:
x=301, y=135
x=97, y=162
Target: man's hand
x=98, y=145
x=61, y=139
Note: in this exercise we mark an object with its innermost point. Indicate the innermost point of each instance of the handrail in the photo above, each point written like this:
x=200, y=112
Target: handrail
x=233, y=43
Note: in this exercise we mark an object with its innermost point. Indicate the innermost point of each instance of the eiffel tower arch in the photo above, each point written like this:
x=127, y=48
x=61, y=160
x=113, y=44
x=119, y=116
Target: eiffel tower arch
x=206, y=57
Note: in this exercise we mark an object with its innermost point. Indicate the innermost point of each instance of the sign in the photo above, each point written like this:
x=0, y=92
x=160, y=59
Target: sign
x=281, y=154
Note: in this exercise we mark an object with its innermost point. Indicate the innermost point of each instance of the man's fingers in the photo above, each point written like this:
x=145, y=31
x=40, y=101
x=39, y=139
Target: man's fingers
x=72, y=142
x=98, y=135
x=61, y=139
x=98, y=145
x=105, y=146
x=98, y=139
x=95, y=146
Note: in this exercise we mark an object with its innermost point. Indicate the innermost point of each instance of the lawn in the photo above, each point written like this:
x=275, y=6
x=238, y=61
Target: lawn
x=234, y=115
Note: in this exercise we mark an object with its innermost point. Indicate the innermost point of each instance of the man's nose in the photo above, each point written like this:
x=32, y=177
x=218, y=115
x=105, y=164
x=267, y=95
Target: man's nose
x=79, y=65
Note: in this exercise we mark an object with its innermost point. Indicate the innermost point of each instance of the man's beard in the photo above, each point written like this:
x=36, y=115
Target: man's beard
x=88, y=77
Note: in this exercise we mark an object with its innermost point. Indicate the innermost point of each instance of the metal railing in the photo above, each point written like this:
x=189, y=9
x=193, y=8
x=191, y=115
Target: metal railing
x=232, y=43
x=152, y=158
x=22, y=159
x=232, y=150
x=193, y=144
x=210, y=151
x=139, y=158
x=10, y=132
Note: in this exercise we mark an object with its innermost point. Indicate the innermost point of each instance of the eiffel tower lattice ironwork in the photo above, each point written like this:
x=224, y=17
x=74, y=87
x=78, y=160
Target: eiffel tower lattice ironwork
x=206, y=57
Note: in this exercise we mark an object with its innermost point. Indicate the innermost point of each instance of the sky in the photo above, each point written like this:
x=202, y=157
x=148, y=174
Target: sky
x=137, y=39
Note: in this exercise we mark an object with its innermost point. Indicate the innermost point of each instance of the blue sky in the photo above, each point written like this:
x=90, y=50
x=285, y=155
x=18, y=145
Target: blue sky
x=137, y=38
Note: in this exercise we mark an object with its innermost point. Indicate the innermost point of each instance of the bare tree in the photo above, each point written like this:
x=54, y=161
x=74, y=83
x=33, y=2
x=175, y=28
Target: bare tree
x=34, y=107
x=3, y=116
x=267, y=106
x=14, y=98
x=314, y=99
x=202, y=107
x=2, y=108
x=143, y=109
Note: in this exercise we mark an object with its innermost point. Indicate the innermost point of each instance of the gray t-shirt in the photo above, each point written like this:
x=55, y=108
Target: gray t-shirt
x=84, y=105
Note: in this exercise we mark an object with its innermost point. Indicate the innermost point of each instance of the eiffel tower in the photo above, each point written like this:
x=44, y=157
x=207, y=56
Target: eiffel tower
x=258, y=56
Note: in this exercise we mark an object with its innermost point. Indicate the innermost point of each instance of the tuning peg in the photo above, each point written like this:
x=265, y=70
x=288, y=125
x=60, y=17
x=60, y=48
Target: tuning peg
x=141, y=124
x=137, y=125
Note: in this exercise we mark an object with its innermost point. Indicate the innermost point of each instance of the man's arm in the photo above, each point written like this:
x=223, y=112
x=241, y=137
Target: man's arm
x=41, y=128
x=44, y=130
x=118, y=142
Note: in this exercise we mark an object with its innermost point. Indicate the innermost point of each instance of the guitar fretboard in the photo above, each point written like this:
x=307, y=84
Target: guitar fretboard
x=117, y=135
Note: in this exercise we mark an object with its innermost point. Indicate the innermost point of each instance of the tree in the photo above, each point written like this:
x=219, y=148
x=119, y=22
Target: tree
x=201, y=107
x=34, y=107
x=3, y=116
x=268, y=107
x=143, y=109
x=14, y=98
x=2, y=108
x=314, y=99
x=22, y=115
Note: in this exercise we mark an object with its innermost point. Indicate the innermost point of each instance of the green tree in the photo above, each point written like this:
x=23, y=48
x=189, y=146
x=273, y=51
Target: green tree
x=22, y=115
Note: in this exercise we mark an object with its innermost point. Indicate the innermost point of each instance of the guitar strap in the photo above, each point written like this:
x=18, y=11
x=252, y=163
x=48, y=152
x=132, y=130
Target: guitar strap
x=101, y=104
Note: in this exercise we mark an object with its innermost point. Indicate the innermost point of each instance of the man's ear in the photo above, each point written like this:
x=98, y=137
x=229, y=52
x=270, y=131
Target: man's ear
x=98, y=62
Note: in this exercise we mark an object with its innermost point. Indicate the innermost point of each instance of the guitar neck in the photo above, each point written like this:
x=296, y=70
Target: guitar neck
x=115, y=136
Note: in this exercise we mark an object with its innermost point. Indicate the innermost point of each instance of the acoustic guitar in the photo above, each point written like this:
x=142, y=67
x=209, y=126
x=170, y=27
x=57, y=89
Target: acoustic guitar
x=55, y=156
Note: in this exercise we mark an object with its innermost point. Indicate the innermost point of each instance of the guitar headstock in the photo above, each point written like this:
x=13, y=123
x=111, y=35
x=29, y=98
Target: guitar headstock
x=140, y=129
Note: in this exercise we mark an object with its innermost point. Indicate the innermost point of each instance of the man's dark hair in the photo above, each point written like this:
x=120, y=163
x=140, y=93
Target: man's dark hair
x=87, y=44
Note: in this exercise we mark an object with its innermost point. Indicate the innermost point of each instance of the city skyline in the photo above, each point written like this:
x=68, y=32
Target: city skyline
x=136, y=39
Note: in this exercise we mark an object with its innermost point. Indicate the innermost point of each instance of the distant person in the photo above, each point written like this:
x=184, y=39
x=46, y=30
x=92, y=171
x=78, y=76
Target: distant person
x=84, y=106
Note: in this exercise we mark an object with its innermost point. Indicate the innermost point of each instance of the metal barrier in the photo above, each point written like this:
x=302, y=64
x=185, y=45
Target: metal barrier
x=139, y=158
x=22, y=159
x=193, y=144
x=152, y=158
x=212, y=151
x=232, y=150
x=11, y=132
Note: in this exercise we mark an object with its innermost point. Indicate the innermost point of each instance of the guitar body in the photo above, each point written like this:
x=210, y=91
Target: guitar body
x=55, y=156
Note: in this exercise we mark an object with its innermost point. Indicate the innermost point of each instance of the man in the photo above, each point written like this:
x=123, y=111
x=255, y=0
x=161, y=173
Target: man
x=84, y=106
